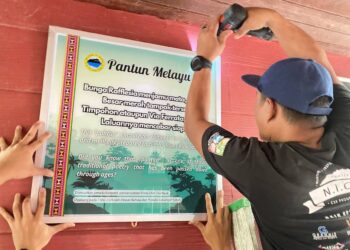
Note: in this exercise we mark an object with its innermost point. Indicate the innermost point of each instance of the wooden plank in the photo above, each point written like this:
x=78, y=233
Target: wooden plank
x=240, y=124
x=17, y=108
x=151, y=8
x=109, y=22
x=338, y=7
x=24, y=57
x=294, y=12
x=187, y=238
x=35, y=18
x=305, y=12
x=207, y=8
x=326, y=27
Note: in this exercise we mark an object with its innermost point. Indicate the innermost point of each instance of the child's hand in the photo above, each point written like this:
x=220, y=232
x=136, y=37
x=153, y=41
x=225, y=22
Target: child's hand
x=16, y=160
x=28, y=229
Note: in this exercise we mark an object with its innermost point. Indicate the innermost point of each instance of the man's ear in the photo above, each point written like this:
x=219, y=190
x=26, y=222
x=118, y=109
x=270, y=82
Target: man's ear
x=271, y=109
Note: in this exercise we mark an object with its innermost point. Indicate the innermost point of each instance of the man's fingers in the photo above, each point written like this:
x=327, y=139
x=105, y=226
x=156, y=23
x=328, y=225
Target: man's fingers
x=220, y=199
x=18, y=135
x=3, y=144
x=224, y=35
x=59, y=228
x=40, y=141
x=220, y=203
x=198, y=225
x=227, y=214
x=214, y=25
x=242, y=31
x=16, y=210
x=38, y=171
x=31, y=133
x=7, y=217
x=26, y=209
x=41, y=203
x=209, y=205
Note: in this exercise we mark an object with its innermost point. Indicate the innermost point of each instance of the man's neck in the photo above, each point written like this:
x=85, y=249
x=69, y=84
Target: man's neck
x=308, y=137
x=313, y=138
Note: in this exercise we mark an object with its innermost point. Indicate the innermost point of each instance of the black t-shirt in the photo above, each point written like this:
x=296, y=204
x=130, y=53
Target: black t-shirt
x=300, y=196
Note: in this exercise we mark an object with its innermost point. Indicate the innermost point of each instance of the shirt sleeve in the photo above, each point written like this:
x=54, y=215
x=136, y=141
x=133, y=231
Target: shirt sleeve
x=339, y=119
x=233, y=157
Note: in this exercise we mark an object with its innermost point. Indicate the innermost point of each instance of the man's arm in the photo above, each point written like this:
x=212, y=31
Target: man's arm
x=197, y=108
x=198, y=102
x=294, y=41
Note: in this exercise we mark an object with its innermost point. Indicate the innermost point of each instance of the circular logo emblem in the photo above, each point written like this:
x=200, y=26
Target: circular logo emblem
x=323, y=230
x=94, y=62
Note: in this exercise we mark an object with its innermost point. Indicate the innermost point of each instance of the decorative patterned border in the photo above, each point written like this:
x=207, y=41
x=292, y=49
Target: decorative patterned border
x=64, y=128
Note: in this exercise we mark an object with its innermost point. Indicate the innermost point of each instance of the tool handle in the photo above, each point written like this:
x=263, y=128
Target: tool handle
x=233, y=19
x=264, y=33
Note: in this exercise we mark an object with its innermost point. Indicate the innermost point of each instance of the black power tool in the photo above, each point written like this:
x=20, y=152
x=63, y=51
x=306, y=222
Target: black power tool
x=235, y=16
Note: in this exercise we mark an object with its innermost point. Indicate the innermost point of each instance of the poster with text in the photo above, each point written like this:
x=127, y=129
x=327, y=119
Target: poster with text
x=115, y=109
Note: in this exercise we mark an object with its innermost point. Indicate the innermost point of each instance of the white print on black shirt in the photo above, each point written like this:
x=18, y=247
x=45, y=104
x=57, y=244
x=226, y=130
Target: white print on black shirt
x=345, y=213
x=329, y=164
x=323, y=234
x=338, y=246
x=333, y=185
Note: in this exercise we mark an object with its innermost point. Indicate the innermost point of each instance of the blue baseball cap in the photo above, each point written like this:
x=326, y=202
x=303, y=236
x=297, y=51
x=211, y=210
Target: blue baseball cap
x=295, y=83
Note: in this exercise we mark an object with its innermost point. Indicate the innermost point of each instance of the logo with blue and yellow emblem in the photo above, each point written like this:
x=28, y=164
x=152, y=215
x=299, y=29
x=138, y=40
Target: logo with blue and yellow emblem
x=94, y=62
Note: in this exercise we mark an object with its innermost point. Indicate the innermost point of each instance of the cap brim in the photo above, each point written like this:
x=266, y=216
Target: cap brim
x=252, y=80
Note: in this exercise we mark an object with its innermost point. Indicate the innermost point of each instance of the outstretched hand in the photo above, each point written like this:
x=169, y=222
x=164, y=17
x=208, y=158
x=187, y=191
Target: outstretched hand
x=217, y=232
x=16, y=160
x=28, y=229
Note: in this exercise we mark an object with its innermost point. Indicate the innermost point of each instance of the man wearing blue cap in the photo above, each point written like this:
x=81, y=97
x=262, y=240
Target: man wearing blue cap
x=298, y=177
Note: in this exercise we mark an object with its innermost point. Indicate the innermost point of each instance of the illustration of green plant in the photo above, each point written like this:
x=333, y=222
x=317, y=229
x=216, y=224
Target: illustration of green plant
x=89, y=182
x=211, y=178
x=73, y=162
x=184, y=181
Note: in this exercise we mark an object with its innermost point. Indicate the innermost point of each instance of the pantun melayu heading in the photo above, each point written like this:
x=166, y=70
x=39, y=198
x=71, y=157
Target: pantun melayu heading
x=157, y=71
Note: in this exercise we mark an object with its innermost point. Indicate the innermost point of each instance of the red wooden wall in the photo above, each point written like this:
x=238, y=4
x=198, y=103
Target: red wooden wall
x=23, y=37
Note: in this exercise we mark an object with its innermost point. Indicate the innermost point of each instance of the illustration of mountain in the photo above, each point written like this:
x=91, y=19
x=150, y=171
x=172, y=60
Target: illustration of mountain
x=94, y=62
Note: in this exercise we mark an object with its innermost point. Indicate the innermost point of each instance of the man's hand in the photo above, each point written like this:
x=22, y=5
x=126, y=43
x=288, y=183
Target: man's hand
x=198, y=102
x=294, y=41
x=28, y=229
x=209, y=45
x=257, y=18
x=217, y=232
x=16, y=160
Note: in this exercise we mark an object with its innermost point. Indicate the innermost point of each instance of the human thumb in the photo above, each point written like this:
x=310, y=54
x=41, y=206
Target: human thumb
x=198, y=225
x=60, y=227
x=241, y=31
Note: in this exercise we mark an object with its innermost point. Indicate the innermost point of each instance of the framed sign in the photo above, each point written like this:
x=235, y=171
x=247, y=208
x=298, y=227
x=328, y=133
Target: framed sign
x=115, y=108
